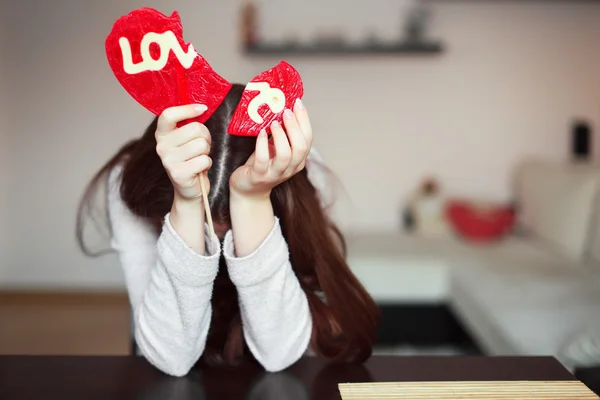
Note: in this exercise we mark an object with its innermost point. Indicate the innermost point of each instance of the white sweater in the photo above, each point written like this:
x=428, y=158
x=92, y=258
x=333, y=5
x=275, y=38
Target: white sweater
x=170, y=287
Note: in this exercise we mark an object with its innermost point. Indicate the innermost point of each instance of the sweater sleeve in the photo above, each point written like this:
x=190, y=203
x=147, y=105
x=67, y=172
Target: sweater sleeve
x=276, y=319
x=169, y=286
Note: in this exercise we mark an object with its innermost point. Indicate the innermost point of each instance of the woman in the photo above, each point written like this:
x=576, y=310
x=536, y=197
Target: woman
x=281, y=284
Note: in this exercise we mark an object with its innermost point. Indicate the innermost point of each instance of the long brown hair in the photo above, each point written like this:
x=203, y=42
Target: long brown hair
x=345, y=317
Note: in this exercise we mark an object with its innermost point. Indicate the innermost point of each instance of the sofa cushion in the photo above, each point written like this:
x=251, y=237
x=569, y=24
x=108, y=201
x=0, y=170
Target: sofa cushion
x=520, y=301
x=556, y=203
x=583, y=347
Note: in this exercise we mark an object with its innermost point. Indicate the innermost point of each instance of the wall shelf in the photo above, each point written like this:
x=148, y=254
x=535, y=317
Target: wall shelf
x=344, y=49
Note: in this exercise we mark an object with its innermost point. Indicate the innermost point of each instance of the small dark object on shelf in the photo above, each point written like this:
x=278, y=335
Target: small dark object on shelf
x=249, y=23
x=417, y=23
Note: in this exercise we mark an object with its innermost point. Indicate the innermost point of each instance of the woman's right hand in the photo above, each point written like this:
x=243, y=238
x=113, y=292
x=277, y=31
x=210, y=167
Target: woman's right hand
x=184, y=150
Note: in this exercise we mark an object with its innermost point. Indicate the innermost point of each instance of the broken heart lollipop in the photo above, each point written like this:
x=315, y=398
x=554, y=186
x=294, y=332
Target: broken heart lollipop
x=265, y=98
x=149, y=57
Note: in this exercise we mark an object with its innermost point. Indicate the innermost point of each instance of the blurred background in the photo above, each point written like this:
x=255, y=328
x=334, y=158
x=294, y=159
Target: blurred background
x=463, y=134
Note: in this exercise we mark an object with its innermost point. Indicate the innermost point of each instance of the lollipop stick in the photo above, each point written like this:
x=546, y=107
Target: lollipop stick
x=211, y=227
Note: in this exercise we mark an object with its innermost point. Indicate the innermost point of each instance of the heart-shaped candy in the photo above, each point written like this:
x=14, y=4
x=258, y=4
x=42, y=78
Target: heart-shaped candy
x=265, y=98
x=149, y=57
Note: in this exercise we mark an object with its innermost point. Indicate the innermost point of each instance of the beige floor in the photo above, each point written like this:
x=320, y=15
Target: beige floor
x=64, y=323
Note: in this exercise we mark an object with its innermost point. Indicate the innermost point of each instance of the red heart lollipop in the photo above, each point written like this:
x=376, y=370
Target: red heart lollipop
x=265, y=98
x=149, y=57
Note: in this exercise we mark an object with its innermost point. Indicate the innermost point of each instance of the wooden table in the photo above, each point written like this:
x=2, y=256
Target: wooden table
x=114, y=378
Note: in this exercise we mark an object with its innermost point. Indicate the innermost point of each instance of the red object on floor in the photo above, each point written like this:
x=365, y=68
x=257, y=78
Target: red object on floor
x=479, y=224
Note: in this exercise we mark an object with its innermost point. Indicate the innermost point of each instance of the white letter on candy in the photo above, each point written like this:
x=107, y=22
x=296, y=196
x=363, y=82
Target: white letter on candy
x=274, y=98
x=167, y=41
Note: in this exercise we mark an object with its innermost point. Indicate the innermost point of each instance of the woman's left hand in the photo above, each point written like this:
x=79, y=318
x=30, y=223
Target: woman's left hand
x=274, y=162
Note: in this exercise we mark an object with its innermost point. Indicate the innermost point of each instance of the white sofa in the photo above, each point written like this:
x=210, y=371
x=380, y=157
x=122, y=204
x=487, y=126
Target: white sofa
x=537, y=293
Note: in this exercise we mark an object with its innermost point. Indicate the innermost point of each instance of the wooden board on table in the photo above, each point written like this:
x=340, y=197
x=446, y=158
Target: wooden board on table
x=513, y=390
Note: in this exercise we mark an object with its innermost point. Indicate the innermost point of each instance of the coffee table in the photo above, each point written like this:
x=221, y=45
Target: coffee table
x=48, y=377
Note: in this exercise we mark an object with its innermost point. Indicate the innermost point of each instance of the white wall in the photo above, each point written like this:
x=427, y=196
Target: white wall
x=4, y=153
x=512, y=79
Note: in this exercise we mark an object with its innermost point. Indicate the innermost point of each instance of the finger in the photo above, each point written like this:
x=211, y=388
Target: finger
x=303, y=121
x=296, y=138
x=198, y=164
x=185, y=173
x=170, y=117
x=194, y=148
x=283, y=152
x=261, y=154
x=187, y=133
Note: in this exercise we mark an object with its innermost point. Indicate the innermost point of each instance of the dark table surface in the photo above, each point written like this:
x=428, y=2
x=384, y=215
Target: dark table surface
x=38, y=377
